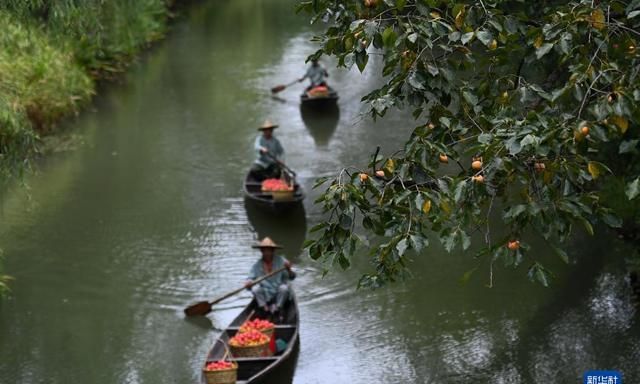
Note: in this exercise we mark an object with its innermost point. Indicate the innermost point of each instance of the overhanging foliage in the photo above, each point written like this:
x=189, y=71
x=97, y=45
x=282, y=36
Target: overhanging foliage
x=525, y=105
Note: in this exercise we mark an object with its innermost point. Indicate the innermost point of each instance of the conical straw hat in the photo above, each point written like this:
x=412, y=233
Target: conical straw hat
x=266, y=243
x=267, y=125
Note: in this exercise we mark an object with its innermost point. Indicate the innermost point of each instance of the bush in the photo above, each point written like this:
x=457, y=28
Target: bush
x=103, y=35
x=37, y=78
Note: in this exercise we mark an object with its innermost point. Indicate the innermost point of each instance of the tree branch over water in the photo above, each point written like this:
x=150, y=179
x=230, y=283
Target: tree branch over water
x=537, y=102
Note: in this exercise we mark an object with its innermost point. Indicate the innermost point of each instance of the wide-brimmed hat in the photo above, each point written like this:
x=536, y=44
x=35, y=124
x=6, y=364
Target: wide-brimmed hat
x=267, y=125
x=266, y=243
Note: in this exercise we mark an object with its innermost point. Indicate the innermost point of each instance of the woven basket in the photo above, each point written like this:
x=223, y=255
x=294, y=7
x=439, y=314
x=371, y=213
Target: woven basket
x=260, y=350
x=313, y=93
x=222, y=376
x=282, y=195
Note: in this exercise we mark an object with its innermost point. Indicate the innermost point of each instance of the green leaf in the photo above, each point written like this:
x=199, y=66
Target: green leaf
x=484, y=138
x=416, y=80
x=389, y=37
x=401, y=247
x=459, y=190
x=485, y=37
x=537, y=272
x=565, y=43
x=356, y=24
x=346, y=221
x=449, y=242
x=628, y=146
x=319, y=181
x=513, y=145
x=466, y=37
x=343, y=261
x=587, y=226
x=400, y=4
x=633, y=189
x=315, y=251
x=418, y=242
x=361, y=60
x=466, y=240
x=529, y=140
x=317, y=227
x=470, y=97
x=543, y=50
x=612, y=220
x=412, y=37
x=633, y=14
x=514, y=212
x=560, y=252
x=370, y=28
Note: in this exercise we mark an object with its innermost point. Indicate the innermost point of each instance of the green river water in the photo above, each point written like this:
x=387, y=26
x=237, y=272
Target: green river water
x=111, y=240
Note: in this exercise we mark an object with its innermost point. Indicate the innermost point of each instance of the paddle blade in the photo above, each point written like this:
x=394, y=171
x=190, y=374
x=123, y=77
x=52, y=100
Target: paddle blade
x=199, y=309
x=278, y=88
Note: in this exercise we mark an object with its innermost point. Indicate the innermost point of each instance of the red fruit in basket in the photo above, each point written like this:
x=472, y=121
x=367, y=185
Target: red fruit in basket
x=218, y=365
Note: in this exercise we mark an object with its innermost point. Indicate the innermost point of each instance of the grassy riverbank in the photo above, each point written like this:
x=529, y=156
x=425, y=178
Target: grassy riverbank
x=52, y=54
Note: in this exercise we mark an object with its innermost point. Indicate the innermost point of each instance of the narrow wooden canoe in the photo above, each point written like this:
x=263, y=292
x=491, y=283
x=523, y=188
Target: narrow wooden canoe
x=319, y=101
x=253, y=192
x=253, y=370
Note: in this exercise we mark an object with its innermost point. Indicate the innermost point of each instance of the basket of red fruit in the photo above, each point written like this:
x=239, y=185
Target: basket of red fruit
x=280, y=190
x=264, y=326
x=319, y=91
x=221, y=372
x=250, y=344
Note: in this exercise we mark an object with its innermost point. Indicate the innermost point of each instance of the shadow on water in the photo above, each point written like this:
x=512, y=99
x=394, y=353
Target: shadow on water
x=321, y=122
x=287, y=228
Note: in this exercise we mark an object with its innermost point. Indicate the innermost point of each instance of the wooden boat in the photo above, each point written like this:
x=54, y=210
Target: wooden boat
x=253, y=192
x=307, y=99
x=253, y=370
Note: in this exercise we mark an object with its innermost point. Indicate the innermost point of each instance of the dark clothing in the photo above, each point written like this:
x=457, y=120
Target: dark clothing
x=259, y=173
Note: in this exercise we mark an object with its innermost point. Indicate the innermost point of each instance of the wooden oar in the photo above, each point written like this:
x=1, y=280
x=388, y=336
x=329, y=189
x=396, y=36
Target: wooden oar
x=204, y=307
x=282, y=87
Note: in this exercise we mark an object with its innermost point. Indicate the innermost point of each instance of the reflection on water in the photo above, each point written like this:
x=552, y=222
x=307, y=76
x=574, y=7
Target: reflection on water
x=287, y=228
x=320, y=121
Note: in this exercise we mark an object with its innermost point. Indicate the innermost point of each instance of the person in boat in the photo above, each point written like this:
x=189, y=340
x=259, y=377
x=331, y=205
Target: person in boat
x=269, y=153
x=316, y=74
x=271, y=294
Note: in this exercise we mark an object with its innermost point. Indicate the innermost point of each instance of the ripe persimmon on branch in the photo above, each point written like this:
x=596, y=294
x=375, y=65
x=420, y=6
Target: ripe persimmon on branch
x=537, y=102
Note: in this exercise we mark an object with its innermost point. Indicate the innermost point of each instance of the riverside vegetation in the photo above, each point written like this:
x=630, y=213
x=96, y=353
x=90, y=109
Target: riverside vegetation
x=52, y=53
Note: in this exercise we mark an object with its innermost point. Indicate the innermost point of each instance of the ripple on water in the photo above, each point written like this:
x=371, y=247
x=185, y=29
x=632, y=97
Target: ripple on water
x=611, y=306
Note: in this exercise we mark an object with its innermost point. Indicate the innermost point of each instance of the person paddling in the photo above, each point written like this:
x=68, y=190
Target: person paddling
x=271, y=294
x=269, y=153
x=316, y=74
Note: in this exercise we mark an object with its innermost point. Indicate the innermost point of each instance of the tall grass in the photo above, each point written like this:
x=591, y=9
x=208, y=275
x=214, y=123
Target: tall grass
x=51, y=52
x=36, y=78
x=102, y=34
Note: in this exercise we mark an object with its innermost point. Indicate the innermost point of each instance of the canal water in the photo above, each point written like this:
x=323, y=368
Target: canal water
x=144, y=215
